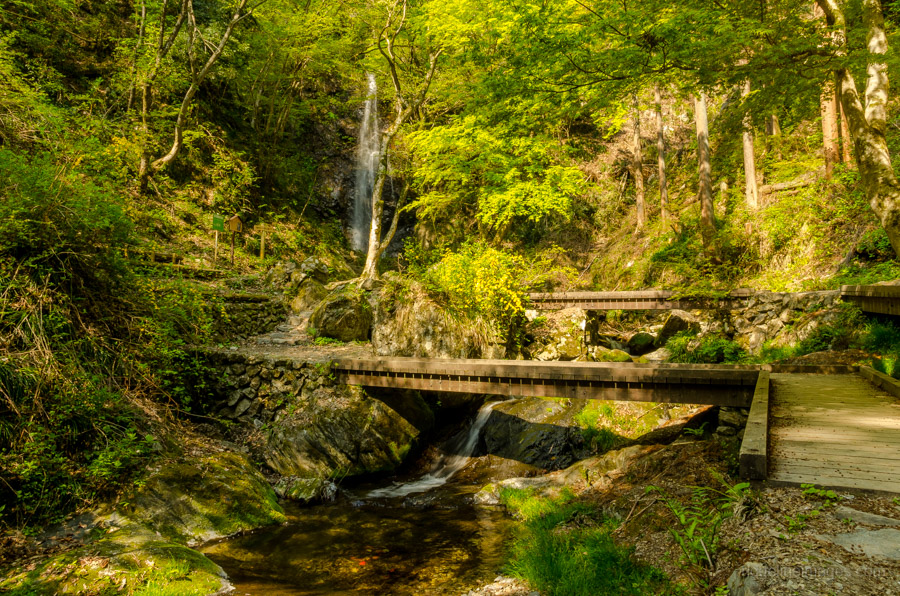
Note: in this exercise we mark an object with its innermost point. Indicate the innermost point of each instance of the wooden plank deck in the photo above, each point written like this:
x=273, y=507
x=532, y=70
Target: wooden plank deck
x=838, y=431
x=721, y=385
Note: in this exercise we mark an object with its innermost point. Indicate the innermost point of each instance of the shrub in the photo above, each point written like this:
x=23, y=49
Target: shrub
x=686, y=347
x=478, y=281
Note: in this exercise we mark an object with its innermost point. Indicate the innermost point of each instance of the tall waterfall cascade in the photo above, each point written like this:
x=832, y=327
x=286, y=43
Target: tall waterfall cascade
x=367, y=155
x=461, y=450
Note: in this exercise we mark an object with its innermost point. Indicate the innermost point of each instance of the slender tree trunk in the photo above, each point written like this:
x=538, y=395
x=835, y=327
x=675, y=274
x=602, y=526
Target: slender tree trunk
x=750, y=187
x=404, y=108
x=637, y=164
x=829, y=128
x=773, y=136
x=198, y=77
x=707, y=214
x=661, y=156
x=867, y=123
x=844, y=129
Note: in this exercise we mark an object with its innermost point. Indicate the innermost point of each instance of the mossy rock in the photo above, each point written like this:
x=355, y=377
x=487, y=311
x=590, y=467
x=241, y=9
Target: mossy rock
x=345, y=316
x=601, y=354
x=305, y=490
x=204, y=499
x=129, y=561
x=641, y=343
x=310, y=293
x=338, y=431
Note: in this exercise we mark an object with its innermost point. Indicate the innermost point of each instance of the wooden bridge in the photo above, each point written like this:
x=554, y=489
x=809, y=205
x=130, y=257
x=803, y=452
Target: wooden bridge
x=874, y=299
x=834, y=426
x=666, y=383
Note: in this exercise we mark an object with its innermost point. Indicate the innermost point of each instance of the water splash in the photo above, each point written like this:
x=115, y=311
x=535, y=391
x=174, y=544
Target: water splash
x=448, y=465
x=367, y=155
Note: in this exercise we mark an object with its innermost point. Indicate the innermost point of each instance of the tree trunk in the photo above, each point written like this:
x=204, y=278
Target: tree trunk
x=661, y=156
x=829, y=128
x=404, y=107
x=844, y=129
x=637, y=165
x=751, y=190
x=773, y=136
x=867, y=123
x=197, y=77
x=707, y=215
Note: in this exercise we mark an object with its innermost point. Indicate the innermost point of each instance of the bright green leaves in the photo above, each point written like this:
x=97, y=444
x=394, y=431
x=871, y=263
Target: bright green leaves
x=500, y=176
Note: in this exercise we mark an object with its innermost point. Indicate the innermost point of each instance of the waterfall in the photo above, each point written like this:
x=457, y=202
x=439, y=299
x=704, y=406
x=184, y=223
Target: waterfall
x=366, y=167
x=447, y=465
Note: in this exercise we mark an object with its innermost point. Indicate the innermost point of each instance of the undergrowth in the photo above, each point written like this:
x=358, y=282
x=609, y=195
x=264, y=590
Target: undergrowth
x=565, y=547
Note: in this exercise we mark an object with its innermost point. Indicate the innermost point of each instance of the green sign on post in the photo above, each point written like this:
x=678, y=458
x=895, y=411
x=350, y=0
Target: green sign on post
x=219, y=223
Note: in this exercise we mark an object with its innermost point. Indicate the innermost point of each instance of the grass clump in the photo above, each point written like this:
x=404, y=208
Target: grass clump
x=564, y=547
x=686, y=347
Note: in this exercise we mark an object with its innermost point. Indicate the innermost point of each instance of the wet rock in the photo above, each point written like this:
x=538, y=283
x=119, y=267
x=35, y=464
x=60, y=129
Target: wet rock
x=306, y=490
x=843, y=512
x=747, y=580
x=346, y=316
x=534, y=431
x=339, y=431
x=677, y=321
x=872, y=543
x=641, y=343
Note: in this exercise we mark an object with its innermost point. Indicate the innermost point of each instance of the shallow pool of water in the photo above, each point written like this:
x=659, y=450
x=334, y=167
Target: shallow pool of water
x=375, y=547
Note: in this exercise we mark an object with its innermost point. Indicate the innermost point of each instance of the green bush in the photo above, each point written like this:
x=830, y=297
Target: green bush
x=61, y=225
x=478, y=281
x=63, y=445
x=686, y=347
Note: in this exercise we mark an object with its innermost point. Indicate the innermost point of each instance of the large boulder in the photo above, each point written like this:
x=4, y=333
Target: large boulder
x=345, y=315
x=408, y=323
x=641, y=343
x=539, y=433
x=307, y=296
x=202, y=499
x=677, y=321
x=337, y=431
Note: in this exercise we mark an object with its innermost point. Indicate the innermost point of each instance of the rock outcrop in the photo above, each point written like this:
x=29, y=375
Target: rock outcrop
x=345, y=315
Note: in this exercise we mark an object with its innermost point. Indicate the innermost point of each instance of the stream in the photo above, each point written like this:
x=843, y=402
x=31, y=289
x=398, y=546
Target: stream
x=418, y=537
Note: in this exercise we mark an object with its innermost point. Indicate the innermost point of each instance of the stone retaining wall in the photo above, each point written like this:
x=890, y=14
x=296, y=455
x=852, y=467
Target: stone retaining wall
x=252, y=389
x=247, y=315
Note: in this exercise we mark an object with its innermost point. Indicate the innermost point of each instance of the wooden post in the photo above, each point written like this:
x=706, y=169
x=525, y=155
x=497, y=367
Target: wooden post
x=232, y=247
x=216, y=250
x=262, y=244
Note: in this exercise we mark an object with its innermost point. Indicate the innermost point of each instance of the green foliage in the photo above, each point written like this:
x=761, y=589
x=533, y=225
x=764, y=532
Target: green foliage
x=481, y=282
x=564, y=547
x=60, y=224
x=503, y=176
x=685, y=346
x=829, y=497
x=697, y=533
x=65, y=441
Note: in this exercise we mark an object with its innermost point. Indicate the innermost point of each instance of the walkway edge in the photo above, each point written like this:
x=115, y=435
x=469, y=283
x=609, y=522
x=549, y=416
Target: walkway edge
x=881, y=380
x=754, y=458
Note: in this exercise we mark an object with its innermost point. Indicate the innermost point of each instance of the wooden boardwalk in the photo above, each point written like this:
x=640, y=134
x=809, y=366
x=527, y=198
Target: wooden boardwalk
x=837, y=431
x=720, y=385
